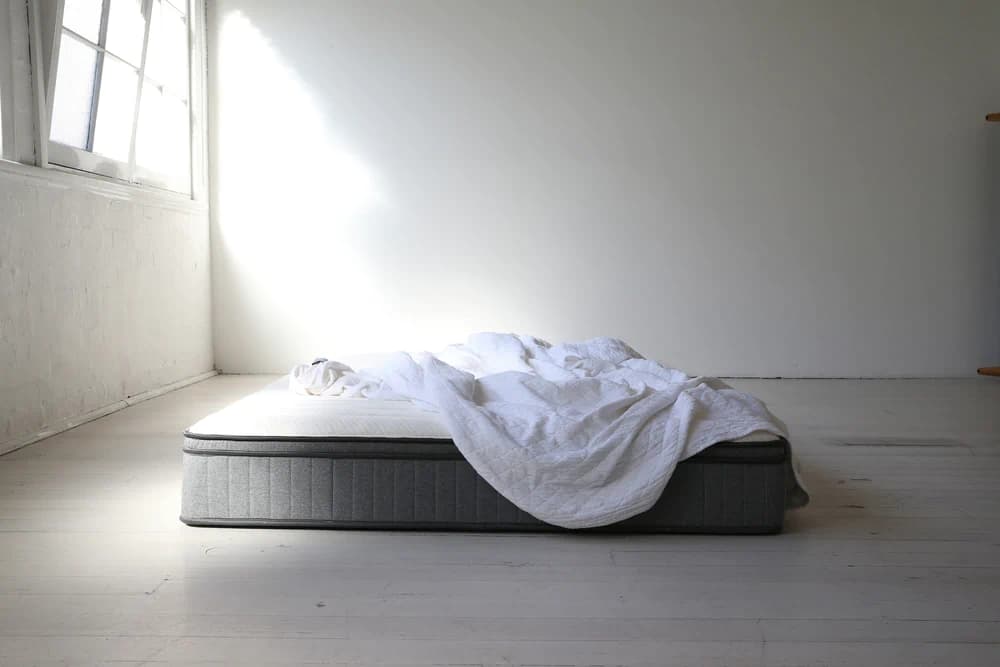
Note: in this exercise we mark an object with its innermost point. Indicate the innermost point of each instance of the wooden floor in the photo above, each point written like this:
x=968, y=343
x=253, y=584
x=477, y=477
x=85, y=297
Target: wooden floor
x=896, y=562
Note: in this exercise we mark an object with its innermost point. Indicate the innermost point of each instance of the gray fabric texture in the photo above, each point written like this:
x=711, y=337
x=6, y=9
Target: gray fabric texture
x=247, y=483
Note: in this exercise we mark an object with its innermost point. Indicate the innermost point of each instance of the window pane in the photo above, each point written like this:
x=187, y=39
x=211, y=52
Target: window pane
x=84, y=18
x=163, y=141
x=115, y=110
x=167, y=54
x=177, y=129
x=126, y=28
x=74, y=93
x=149, y=140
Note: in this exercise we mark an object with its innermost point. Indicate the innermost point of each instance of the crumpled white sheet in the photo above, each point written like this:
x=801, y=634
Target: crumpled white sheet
x=330, y=378
x=578, y=435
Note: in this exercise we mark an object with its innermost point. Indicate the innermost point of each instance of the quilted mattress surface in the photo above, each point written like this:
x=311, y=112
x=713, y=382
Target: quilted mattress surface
x=279, y=459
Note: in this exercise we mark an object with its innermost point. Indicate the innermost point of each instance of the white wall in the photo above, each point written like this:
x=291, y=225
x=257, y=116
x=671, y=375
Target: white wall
x=740, y=188
x=102, y=297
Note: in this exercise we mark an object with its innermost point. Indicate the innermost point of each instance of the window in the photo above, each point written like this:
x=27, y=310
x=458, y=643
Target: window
x=121, y=105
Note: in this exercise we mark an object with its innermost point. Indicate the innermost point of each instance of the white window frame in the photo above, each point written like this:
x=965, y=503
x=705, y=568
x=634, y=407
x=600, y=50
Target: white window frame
x=35, y=26
x=85, y=159
x=59, y=154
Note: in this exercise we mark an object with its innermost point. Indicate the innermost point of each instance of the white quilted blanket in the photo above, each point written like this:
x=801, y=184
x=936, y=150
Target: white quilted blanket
x=578, y=434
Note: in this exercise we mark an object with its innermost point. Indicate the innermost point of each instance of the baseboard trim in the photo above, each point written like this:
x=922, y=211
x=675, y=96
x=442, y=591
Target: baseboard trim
x=72, y=422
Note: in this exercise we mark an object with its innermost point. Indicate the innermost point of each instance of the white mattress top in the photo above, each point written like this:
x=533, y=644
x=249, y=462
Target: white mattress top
x=277, y=412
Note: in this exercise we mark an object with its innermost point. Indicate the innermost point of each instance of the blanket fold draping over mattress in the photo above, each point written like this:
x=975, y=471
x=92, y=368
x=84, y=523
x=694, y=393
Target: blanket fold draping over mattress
x=578, y=434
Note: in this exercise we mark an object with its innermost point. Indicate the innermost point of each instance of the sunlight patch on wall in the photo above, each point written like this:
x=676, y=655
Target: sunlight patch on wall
x=292, y=199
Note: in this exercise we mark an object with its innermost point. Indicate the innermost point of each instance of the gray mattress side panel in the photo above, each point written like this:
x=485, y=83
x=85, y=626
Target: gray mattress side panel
x=450, y=495
x=375, y=491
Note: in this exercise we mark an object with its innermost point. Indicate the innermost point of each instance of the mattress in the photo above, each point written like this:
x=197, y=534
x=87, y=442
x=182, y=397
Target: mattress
x=278, y=459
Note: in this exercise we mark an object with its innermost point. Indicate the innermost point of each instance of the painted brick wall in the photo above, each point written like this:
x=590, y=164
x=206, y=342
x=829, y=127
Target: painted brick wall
x=101, y=298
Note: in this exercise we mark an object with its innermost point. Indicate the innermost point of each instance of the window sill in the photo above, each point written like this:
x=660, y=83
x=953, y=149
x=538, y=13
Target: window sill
x=61, y=177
